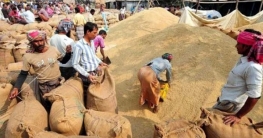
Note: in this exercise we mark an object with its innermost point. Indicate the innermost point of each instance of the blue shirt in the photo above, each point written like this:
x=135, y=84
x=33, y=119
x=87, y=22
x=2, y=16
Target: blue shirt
x=159, y=65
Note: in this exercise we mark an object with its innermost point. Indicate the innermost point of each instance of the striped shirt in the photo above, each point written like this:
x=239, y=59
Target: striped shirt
x=84, y=58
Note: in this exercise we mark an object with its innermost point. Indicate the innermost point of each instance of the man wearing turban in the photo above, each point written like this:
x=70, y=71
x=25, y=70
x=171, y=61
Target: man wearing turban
x=150, y=80
x=43, y=59
x=61, y=40
x=243, y=88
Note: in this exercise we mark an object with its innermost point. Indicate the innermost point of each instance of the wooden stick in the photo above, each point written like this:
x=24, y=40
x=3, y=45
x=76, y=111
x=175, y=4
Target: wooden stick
x=261, y=6
x=237, y=1
x=198, y=3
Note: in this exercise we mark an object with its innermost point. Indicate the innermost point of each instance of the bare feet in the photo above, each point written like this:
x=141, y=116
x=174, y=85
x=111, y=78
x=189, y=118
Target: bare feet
x=155, y=109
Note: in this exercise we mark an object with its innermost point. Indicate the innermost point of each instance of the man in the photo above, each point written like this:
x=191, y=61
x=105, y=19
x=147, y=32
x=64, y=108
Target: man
x=149, y=77
x=99, y=42
x=43, y=59
x=61, y=41
x=6, y=10
x=15, y=17
x=243, y=88
x=90, y=16
x=85, y=61
x=122, y=13
x=79, y=21
x=28, y=16
x=42, y=13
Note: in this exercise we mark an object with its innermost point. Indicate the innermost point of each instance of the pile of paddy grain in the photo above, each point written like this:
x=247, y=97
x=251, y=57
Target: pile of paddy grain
x=202, y=60
x=140, y=24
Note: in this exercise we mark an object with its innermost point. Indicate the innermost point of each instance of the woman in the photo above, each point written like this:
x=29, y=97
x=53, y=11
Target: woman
x=149, y=79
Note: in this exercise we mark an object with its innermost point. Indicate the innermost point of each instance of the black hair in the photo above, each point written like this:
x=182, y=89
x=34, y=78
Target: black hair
x=89, y=26
x=14, y=8
x=253, y=31
x=102, y=32
x=39, y=6
x=77, y=10
x=92, y=10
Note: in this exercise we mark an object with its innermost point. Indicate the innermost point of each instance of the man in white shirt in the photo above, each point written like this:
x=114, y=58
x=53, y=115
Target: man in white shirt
x=61, y=40
x=122, y=12
x=243, y=88
x=90, y=16
x=28, y=15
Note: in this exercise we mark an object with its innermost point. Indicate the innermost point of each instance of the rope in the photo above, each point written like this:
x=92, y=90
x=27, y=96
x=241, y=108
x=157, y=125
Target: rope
x=32, y=82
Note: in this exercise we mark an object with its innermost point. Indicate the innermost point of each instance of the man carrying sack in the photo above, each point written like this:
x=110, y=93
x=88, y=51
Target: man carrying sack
x=243, y=88
x=43, y=59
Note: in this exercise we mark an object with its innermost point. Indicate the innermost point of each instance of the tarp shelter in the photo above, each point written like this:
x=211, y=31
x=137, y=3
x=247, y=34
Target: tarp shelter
x=234, y=19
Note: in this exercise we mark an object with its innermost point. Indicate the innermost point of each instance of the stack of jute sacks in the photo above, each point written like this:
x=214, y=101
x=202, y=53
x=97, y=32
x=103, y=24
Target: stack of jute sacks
x=111, y=19
x=29, y=119
x=210, y=125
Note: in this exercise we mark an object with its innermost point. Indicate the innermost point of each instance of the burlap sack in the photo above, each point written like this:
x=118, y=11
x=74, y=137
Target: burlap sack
x=178, y=129
x=8, y=77
x=6, y=105
x=27, y=93
x=15, y=66
x=72, y=88
x=106, y=125
x=214, y=126
x=28, y=118
x=16, y=27
x=31, y=26
x=6, y=56
x=102, y=95
x=4, y=26
x=98, y=17
x=50, y=134
x=66, y=115
x=19, y=51
x=99, y=22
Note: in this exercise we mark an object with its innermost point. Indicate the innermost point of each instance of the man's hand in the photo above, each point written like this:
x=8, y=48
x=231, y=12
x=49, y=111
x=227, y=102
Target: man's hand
x=68, y=49
x=103, y=64
x=232, y=119
x=13, y=93
x=92, y=78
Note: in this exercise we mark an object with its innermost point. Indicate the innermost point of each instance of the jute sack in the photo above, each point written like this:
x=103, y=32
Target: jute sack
x=98, y=17
x=27, y=92
x=66, y=115
x=19, y=51
x=4, y=26
x=214, y=126
x=6, y=56
x=106, y=125
x=16, y=27
x=8, y=77
x=178, y=129
x=102, y=95
x=31, y=26
x=15, y=66
x=28, y=118
x=6, y=106
x=50, y=134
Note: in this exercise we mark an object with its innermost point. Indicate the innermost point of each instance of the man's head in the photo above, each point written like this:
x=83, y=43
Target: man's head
x=39, y=7
x=37, y=40
x=77, y=10
x=103, y=33
x=64, y=26
x=28, y=7
x=90, y=30
x=167, y=56
x=19, y=7
x=246, y=40
x=92, y=11
x=14, y=9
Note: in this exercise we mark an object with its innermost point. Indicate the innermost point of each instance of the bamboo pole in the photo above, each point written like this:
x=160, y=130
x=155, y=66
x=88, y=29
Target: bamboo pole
x=261, y=6
x=183, y=3
x=198, y=4
x=237, y=1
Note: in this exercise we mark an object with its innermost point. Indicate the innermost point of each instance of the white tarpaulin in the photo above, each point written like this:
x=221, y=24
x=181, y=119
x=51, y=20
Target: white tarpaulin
x=234, y=19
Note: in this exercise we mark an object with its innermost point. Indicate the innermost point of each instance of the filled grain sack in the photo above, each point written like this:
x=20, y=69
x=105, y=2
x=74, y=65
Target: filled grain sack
x=31, y=26
x=27, y=92
x=214, y=126
x=102, y=95
x=28, y=118
x=50, y=134
x=4, y=26
x=8, y=77
x=106, y=125
x=6, y=56
x=16, y=27
x=178, y=129
x=98, y=17
x=19, y=51
x=66, y=115
x=15, y=66
x=6, y=106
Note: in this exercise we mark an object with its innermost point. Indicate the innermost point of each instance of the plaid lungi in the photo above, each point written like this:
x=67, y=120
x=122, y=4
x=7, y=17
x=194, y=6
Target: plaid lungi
x=80, y=32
